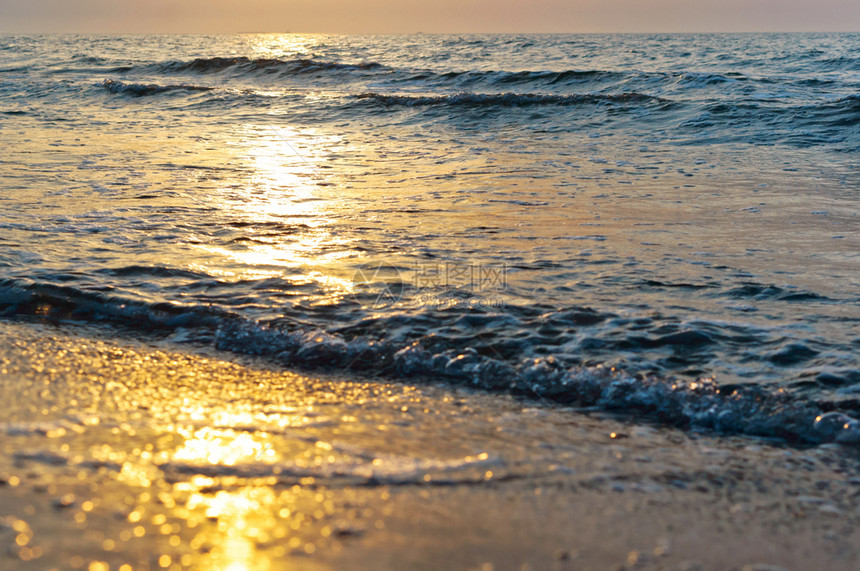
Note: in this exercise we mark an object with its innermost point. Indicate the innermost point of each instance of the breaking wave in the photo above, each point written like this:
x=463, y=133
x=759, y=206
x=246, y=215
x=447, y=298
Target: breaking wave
x=754, y=410
x=142, y=90
x=247, y=65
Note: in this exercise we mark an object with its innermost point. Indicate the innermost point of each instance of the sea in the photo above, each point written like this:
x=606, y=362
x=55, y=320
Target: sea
x=663, y=227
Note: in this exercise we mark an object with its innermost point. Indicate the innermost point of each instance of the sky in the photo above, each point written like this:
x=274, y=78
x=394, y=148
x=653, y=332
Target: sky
x=408, y=16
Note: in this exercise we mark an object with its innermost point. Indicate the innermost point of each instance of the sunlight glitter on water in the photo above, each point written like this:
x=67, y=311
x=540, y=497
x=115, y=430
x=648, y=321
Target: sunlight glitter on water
x=285, y=186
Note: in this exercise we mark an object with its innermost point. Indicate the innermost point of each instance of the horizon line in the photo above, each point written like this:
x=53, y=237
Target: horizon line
x=414, y=33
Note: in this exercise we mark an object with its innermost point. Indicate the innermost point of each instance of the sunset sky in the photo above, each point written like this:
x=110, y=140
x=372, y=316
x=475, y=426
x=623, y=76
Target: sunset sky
x=387, y=16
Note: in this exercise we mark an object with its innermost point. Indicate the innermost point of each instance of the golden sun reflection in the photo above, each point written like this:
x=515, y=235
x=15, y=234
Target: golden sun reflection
x=224, y=447
x=242, y=512
x=244, y=522
x=282, y=45
x=284, y=208
x=285, y=417
x=284, y=174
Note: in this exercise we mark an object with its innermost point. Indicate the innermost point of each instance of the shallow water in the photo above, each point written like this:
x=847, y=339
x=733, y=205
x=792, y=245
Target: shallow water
x=489, y=209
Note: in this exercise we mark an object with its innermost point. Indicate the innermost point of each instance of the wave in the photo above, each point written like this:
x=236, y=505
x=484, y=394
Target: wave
x=595, y=80
x=241, y=64
x=740, y=409
x=843, y=112
x=467, y=79
x=841, y=63
x=826, y=122
x=499, y=77
x=578, y=77
x=691, y=79
x=141, y=89
x=469, y=99
x=505, y=88
x=89, y=59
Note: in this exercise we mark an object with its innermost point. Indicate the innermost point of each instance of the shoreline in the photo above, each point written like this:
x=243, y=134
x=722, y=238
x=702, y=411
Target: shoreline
x=121, y=452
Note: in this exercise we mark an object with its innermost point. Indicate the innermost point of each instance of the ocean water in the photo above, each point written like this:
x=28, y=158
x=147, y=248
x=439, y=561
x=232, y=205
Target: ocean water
x=659, y=224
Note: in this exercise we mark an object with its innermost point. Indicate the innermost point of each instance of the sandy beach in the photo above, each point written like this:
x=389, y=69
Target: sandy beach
x=136, y=454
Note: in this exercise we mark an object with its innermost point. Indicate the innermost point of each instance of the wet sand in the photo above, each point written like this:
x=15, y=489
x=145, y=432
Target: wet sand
x=139, y=454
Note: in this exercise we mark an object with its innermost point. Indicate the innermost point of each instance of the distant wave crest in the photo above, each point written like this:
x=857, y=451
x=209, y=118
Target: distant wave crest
x=141, y=89
x=242, y=64
x=504, y=99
